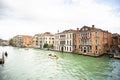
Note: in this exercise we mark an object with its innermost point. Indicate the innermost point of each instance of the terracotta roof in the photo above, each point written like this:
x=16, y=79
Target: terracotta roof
x=3, y=40
x=93, y=28
x=27, y=36
x=115, y=35
x=44, y=34
x=68, y=31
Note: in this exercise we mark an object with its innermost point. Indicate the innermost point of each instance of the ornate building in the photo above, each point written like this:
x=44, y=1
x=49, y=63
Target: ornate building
x=92, y=41
x=64, y=41
x=115, y=46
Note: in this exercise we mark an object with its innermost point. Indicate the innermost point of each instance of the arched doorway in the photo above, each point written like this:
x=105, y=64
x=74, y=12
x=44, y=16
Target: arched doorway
x=62, y=48
x=85, y=49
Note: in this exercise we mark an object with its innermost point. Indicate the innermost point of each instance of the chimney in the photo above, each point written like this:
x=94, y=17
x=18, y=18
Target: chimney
x=77, y=29
x=93, y=26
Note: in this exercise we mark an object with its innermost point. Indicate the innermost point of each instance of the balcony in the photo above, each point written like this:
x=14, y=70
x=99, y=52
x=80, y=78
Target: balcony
x=85, y=37
x=86, y=44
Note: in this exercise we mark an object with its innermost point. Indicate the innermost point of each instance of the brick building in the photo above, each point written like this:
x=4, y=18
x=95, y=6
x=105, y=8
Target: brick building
x=115, y=46
x=22, y=41
x=92, y=41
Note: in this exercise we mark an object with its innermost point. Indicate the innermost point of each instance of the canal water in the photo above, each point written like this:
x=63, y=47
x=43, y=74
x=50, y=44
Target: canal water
x=34, y=64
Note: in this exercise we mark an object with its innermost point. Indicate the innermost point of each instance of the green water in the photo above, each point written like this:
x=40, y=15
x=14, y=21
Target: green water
x=34, y=64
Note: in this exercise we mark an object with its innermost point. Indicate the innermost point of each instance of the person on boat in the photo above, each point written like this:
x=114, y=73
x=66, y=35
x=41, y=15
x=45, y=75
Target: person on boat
x=55, y=56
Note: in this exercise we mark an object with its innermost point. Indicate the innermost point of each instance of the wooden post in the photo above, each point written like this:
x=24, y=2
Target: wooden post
x=3, y=58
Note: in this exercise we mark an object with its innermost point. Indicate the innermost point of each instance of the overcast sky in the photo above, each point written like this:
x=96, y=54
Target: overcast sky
x=29, y=17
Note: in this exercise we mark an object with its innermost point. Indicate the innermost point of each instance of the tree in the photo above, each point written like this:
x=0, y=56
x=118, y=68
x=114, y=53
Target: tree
x=11, y=42
x=45, y=45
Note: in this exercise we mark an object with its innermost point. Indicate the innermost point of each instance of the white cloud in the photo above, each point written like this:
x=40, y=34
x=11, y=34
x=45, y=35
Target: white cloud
x=36, y=16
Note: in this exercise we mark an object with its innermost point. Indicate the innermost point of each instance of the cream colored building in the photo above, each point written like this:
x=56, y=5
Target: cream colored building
x=64, y=41
x=43, y=38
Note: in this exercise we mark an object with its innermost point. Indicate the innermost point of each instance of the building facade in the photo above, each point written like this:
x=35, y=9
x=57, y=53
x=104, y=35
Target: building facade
x=115, y=47
x=92, y=41
x=39, y=40
x=4, y=42
x=64, y=41
x=115, y=41
x=22, y=41
x=35, y=43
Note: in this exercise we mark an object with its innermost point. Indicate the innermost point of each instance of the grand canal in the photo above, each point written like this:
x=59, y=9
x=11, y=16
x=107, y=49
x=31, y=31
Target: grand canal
x=34, y=64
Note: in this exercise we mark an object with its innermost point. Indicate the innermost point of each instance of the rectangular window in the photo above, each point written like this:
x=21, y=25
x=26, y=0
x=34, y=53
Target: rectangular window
x=62, y=42
x=70, y=48
x=36, y=41
x=96, y=41
x=96, y=51
x=81, y=49
x=70, y=42
x=70, y=36
x=75, y=46
x=95, y=33
x=81, y=35
x=88, y=49
x=90, y=34
x=62, y=35
x=74, y=35
x=96, y=47
x=85, y=42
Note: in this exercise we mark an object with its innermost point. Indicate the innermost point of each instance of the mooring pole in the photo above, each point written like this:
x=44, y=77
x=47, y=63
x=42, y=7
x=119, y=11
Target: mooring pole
x=3, y=58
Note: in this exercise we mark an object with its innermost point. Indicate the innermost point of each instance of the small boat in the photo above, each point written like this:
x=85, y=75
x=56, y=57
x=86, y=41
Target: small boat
x=53, y=56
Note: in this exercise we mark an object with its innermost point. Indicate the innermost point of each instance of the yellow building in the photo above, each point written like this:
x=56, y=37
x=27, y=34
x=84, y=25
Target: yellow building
x=22, y=41
x=27, y=41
